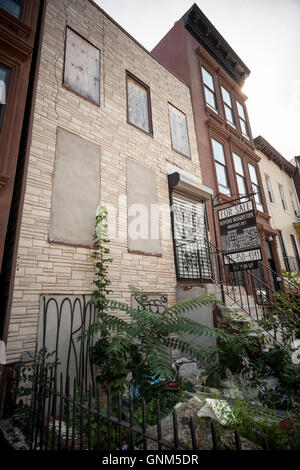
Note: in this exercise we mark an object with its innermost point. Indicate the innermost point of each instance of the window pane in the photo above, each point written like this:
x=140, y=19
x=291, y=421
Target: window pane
x=13, y=7
x=221, y=175
x=253, y=174
x=207, y=79
x=241, y=185
x=283, y=199
x=210, y=99
x=218, y=151
x=4, y=82
x=179, y=132
x=238, y=164
x=241, y=110
x=294, y=204
x=244, y=128
x=222, y=179
x=258, y=200
x=226, y=96
x=270, y=189
x=138, y=104
x=229, y=115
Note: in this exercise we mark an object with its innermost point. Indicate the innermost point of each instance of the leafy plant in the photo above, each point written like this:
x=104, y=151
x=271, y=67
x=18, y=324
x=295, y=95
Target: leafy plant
x=138, y=346
x=284, y=318
x=25, y=381
x=255, y=422
x=231, y=352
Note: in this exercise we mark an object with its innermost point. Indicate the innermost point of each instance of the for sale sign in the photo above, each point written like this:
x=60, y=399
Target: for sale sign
x=239, y=236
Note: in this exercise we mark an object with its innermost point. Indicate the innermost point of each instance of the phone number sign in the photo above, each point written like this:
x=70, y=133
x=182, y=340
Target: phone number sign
x=239, y=236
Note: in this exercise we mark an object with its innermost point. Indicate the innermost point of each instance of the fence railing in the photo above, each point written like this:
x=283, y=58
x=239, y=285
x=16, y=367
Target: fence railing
x=63, y=417
x=253, y=291
x=258, y=292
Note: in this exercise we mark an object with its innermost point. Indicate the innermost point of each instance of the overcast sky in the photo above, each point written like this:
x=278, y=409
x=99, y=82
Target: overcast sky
x=266, y=36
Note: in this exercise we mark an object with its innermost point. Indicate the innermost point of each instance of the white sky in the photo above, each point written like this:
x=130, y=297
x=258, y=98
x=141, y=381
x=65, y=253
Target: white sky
x=266, y=36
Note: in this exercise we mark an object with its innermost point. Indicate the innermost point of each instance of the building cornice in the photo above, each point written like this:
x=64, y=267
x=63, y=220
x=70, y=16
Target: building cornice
x=263, y=146
x=207, y=35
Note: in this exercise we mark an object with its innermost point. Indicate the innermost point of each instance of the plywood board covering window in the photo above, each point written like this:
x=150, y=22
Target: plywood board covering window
x=76, y=189
x=138, y=104
x=143, y=217
x=82, y=67
x=179, y=131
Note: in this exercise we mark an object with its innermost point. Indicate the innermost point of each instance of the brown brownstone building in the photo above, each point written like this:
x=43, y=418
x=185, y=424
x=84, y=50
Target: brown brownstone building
x=198, y=54
x=20, y=24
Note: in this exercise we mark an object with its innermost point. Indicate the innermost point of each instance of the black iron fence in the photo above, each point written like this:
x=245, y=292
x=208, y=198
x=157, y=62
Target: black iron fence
x=258, y=293
x=63, y=417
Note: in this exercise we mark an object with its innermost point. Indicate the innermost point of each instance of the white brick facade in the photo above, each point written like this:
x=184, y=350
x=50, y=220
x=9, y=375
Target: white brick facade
x=281, y=219
x=45, y=267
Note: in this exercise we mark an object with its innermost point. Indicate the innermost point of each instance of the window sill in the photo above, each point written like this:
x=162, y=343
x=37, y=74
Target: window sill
x=150, y=134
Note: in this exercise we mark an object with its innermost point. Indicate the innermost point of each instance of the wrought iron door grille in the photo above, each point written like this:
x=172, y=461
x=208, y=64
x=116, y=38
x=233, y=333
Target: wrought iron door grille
x=193, y=260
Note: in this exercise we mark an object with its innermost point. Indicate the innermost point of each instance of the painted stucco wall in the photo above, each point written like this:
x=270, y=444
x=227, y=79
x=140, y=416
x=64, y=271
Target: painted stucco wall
x=55, y=268
x=280, y=219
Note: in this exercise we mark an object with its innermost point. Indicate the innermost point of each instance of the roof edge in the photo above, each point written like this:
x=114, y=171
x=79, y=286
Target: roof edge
x=266, y=148
x=209, y=37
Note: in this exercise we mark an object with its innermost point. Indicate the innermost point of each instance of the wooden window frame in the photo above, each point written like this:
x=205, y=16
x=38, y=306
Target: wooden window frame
x=133, y=77
x=68, y=87
x=187, y=131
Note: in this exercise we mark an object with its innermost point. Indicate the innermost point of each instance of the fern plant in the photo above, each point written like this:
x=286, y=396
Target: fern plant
x=133, y=342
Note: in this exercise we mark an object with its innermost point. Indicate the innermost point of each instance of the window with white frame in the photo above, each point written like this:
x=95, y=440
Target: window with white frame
x=221, y=169
x=270, y=189
x=240, y=174
x=209, y=90
x=283, y=198
x=243, y=120
x=295, y=205
x=228, y=107
x=256, y=187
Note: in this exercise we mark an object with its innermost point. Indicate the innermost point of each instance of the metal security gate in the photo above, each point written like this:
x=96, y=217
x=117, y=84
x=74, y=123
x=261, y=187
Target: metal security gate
x=62, y=320
x=192, y=251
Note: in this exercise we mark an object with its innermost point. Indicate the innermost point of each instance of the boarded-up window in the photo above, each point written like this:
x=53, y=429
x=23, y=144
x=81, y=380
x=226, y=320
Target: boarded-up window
x=179, y=132
x=82, y=67
x=76, y=189
x=138, y=105
x=143, y=216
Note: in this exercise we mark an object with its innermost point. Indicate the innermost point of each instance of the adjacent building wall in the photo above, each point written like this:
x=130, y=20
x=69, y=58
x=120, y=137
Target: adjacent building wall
x=281, y=219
